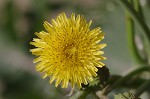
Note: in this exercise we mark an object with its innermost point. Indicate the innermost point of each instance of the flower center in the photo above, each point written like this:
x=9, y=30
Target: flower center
x=71, y=52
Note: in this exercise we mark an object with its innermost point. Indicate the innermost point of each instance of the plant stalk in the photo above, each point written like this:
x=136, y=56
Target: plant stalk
x=142, y=88
x=137, y=18
x=125, y=78
x=131, y=37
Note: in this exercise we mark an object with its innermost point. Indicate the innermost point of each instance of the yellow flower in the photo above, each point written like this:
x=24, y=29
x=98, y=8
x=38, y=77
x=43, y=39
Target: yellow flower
x=69, y=51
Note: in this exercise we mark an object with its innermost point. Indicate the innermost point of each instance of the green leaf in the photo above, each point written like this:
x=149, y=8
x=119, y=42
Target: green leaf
x=94, y=82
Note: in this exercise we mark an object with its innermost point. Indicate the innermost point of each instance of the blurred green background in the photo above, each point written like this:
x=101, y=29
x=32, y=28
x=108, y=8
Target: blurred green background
x=19, y=19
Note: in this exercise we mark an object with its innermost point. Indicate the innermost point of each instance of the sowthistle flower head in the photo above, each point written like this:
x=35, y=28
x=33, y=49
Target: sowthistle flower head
x=69, y=51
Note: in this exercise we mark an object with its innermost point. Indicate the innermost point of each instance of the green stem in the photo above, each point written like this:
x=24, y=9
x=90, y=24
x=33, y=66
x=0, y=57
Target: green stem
x=131, y=39
x=145, y=42
x=95, y=96
x=134, y=84
x=125, y=78
x=142, y=88
x=138, y=8
x=136, y=17
x=136, y=5
x=85, y=93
